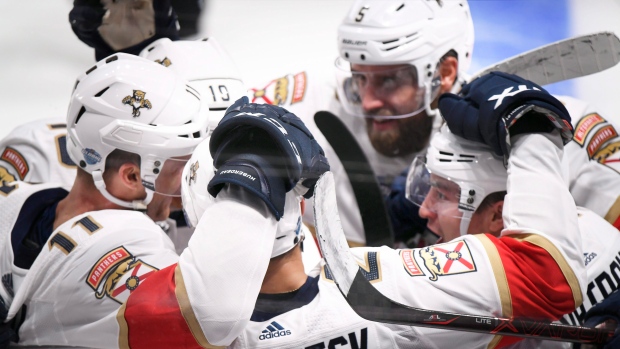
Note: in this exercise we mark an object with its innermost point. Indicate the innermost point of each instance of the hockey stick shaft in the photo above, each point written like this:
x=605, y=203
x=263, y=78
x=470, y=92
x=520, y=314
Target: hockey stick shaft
x=377, y=226
x=372, y=305
x=562, y=60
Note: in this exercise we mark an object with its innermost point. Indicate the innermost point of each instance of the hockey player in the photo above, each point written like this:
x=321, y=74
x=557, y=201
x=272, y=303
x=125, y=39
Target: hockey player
x=442, y=183
x=87, y=268
x=36, y=151
x=396, y=59
x=534, y=268
x=294, y=309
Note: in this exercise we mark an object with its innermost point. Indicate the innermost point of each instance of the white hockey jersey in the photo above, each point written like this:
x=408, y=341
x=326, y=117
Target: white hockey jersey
x=594, y=156
x=110, y=278
x=317, y=316
x=36, y=152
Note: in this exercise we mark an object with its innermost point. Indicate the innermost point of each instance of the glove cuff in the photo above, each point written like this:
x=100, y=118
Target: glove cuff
x=253, y=173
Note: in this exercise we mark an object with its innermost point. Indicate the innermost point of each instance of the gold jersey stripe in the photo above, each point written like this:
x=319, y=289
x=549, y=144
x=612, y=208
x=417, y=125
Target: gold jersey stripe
x=123, y=333
x=614, y=212
x=500, y=279
x=545, y=244
x=187, y=311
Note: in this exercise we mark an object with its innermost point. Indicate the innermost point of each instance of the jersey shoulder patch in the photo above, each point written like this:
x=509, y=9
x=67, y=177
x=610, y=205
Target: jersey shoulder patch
x=17, y=160
x=286, y=90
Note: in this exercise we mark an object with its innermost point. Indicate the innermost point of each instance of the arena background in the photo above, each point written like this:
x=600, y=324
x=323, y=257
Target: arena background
x=40, y=57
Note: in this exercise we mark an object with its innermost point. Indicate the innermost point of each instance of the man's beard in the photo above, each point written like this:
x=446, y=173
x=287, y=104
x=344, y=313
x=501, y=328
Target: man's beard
x=410, y=136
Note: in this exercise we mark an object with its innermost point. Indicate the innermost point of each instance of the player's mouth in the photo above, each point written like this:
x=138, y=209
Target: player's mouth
x=384, y=124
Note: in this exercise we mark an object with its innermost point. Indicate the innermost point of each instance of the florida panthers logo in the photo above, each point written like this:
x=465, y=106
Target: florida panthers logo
x=166, y=62
x=193, y=172
x=137, y=102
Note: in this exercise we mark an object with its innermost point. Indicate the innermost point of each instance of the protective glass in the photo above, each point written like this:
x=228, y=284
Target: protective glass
x=399, y=91
x=436, y=193
x=168, y=181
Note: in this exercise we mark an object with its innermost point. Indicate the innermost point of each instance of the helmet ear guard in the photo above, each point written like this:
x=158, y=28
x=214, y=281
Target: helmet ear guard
x=129, y=103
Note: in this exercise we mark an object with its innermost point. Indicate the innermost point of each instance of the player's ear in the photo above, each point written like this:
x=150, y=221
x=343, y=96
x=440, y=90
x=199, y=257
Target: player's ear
x=129, y=175
x=496, y=221
x=448, y=69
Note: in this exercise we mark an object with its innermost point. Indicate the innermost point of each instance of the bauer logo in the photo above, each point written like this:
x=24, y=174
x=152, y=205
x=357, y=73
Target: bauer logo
x=91, y=156
x=274, y=330
x=137, y=102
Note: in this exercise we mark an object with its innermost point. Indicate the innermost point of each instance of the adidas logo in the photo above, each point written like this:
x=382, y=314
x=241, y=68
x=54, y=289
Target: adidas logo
x=274, y=330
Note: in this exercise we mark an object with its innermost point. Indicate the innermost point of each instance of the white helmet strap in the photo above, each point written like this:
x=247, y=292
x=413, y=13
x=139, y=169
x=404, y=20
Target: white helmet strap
x=138, y=205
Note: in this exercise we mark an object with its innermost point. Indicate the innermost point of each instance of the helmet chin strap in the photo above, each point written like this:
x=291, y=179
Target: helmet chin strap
x=138, y=205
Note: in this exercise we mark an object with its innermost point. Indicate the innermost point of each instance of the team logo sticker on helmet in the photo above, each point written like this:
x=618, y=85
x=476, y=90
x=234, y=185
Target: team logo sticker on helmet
x=448, y=259
x=166, y=62
x=117, y=274
x=137, y=102
x=193, y=172
x=91, y=156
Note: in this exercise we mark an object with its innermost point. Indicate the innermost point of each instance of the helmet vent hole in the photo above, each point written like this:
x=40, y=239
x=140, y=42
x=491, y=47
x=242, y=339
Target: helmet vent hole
x=76, y=83
x=446, y=153
x=217, y=109
x=91, y=69
x=102, y=92
x=196, y=134
x=184, y=136
x=82, y=111
x=362, y=57
x=151, y=48
x=111, y=59
x=189, y=122
x=205, y=39
x=346, y=54
x=400, y=7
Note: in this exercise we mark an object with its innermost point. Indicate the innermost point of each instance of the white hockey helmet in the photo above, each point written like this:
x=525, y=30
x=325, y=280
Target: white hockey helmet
x=394, y=32
x=197, y=174
x=130, y=103
x=465, y=172
x=206, y=65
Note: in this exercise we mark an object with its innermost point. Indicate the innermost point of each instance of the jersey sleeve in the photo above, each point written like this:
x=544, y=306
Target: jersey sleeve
x=36, y=152
x=593, y=158
x=207, y=299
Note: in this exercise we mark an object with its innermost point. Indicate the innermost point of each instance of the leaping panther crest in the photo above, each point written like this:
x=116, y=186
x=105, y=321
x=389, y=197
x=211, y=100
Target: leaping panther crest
x=137, y=102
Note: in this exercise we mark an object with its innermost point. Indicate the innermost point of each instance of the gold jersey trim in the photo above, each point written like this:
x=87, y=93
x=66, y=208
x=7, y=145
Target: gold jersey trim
x=500, y=279
x=123, y=332
x=187, y=311
x=545, y=244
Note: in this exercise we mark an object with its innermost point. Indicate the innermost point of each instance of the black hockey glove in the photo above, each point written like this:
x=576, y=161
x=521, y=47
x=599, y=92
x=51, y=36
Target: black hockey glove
x=488, y=109
x=605, y=314
x=267, y=150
